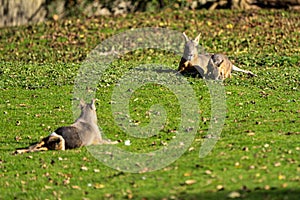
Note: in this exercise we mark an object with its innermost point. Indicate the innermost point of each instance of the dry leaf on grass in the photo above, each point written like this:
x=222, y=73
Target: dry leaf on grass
x=190, y=182
x=220, y=187
x=233, y=195
x=99, y=186
x=76, y=187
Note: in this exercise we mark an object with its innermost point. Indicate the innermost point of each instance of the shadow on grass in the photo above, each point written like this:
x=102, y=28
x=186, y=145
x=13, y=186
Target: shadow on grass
x=258, y=194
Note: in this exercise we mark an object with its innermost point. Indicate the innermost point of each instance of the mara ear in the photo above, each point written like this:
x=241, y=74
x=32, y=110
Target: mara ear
x=93, y=104
x=197, y=39
x=81, y=103
x=185, y=37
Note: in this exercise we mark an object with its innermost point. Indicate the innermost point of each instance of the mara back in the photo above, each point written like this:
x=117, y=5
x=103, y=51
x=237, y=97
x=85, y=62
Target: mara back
x=84, y=131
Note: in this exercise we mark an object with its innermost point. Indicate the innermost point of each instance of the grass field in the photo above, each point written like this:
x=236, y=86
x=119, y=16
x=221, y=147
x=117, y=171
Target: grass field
x=256, y=157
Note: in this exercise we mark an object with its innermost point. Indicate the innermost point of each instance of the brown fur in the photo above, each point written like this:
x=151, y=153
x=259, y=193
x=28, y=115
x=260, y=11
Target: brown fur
x=210, y=66
x=51, y=142
x=223, y=64
x=191, y=61
x=83, y=132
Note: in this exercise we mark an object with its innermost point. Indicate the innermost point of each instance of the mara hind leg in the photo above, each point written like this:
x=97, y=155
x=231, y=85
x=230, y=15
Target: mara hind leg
x=51, y=142
x=99, y=141
x=227, y=74
x=33, y=148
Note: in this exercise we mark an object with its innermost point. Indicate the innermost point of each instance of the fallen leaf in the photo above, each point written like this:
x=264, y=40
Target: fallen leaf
x=108, y=195
x=187, y=174
x=229, y=26
x=48, y=187
x=277, y=164
x=44, y=166
x=191, y=149
x=237, y=164
x=99, y=186
x=18, y=138
x=264, y=167
x=245, y=158
x=281, y=177
x=251, y=134
x=251, y=167
x=130, y=196
x=266, y=145
x=127, y=143
x=85, y=159
x=55, y=17
x=76, y=187
x=190, y=182
x=233, y=195
x=66, y=181
x=267, y=187
x=220, y=187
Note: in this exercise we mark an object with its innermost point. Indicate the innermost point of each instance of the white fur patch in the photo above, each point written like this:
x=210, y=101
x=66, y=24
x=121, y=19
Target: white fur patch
x=53, y=134
x=62, y=139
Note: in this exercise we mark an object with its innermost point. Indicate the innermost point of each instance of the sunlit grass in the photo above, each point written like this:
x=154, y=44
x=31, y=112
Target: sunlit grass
x=257, y=154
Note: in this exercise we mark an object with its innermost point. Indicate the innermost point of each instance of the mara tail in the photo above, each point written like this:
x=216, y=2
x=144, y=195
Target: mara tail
x=235, y=68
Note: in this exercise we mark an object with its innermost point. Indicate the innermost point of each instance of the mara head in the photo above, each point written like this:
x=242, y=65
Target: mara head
x=88, y=111
x=213, y=71
x=190, y=48
x=217, y=59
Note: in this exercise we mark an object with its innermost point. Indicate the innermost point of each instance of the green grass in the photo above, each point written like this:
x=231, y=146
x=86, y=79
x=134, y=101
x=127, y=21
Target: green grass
x=257, y=154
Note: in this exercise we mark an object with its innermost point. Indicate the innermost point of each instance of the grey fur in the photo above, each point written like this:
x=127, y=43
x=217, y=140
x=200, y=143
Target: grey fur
x=83, y=132
x=206, y=63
